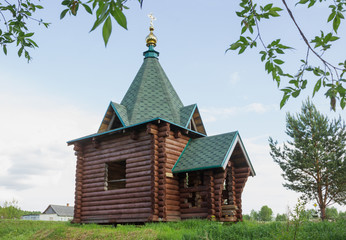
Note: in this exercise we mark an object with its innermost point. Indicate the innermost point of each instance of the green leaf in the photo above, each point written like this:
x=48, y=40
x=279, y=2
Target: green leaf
x=333, y=38
x=63, y=13
x=20, y=51
x=284, y=100
x=331, y=16
x=317, y=87
x=100, y=20
x=274, y=14
x=66, y=2
x=242, y=49
x=87, y=8
x=302, y=1
x=119, y=16
x=32, y=42
x=278, y=50
x=276, y=9
x=267, y=7
x=296, y=93
x=4, y=48
x=235, y=45
x=342, y=103
x=336, y=23
x=263, y=57
x=339, y=14
x=278, y=61
x=107, y=30
x=29, y=35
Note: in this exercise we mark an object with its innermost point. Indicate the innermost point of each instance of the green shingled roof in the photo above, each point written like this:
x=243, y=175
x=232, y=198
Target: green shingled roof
x=121, y=113
x=205, y=153
x=152, y=95
x=186, y=114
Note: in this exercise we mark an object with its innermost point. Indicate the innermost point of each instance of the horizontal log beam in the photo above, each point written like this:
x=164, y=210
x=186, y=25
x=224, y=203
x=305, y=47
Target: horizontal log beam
x=116, y=211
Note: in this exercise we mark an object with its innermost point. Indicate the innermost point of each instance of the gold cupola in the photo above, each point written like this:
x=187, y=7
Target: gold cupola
x=151, y=39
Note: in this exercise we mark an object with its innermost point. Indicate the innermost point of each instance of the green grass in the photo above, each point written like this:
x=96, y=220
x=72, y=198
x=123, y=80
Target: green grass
x=191, y=229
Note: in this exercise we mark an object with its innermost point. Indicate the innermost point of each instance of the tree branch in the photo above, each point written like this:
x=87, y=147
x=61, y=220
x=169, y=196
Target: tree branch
x=327, y=64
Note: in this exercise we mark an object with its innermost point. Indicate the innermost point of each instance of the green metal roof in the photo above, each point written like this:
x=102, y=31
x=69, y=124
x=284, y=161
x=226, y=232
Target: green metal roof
x=152, y=95
x=206, y=153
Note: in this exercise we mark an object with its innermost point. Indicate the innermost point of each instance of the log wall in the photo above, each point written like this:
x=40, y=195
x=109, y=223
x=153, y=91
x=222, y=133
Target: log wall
x=194, y=192
x=94, y=202
x=169, y=146
x=78, y=187
x=174, y=145
x=152, y=192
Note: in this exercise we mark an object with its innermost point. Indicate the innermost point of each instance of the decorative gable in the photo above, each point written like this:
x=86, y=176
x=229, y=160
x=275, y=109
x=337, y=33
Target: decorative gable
x=115, y=117
x=191, y=119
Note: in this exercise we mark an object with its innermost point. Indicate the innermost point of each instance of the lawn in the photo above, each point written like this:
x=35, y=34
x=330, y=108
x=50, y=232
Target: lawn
x=190, y=229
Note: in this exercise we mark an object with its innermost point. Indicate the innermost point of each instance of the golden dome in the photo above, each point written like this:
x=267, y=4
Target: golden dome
x=151, y=38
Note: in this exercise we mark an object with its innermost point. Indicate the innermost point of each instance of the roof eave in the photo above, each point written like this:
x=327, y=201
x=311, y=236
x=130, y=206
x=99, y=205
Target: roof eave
x=131, y=126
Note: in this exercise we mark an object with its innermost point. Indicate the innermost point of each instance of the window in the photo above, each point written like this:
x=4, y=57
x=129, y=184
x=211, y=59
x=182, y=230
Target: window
x=115, y=175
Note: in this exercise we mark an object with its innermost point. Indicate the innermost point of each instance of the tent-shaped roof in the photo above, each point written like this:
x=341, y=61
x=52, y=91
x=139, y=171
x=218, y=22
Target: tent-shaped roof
x=209, y=152
x=151, y=95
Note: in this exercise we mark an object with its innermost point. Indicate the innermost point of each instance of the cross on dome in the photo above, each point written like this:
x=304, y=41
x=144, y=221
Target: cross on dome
x=152, y=19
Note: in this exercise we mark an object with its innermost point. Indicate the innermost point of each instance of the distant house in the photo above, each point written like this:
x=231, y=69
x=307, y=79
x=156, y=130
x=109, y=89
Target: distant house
x=53, y=213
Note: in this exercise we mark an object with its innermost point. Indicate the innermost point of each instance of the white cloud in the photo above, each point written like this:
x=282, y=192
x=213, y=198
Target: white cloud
x=212, y=114
x=234, y=78
x=259, y=108
x=37, y=165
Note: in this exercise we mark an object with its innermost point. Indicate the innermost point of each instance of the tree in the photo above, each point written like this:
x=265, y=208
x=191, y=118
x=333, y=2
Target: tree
x=332, y=213
x=265, y=214
x=327, y=74
x=313, y=162
x=14, y=30
x=281, y=217
x=254, y=216
x=10, y=210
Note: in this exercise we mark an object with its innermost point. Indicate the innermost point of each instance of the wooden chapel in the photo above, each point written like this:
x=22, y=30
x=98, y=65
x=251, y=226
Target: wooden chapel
x=151, y=159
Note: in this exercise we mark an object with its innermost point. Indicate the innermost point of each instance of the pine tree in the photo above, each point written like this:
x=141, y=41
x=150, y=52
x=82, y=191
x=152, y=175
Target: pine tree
x=313, y=162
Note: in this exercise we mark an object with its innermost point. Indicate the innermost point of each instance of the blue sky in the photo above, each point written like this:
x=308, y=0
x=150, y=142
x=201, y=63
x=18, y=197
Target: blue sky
x=63, y=93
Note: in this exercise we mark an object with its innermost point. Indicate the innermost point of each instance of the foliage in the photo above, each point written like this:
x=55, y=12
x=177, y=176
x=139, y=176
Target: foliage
x=265, y=214
x=13, y=25
x=281, y=217
x=10, y=210
x=341, y=216
x=297, y=216
x=331, y=213
x=105, y=10
x=326, y=74
x=189, y=229
x=313, y=163
x=254, y=216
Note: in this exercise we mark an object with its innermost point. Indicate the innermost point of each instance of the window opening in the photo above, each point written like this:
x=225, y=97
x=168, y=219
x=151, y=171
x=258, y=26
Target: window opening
x=115, y=175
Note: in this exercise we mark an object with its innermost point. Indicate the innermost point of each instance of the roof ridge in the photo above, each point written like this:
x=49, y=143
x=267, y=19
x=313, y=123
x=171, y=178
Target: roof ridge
x=139, y=76
x=167, y=94
x=218, y=135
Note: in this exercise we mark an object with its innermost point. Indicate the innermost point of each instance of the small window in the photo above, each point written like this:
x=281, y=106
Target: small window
x=115, y=175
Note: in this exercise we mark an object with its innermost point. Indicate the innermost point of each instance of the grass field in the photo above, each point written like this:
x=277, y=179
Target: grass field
x=191, y=229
